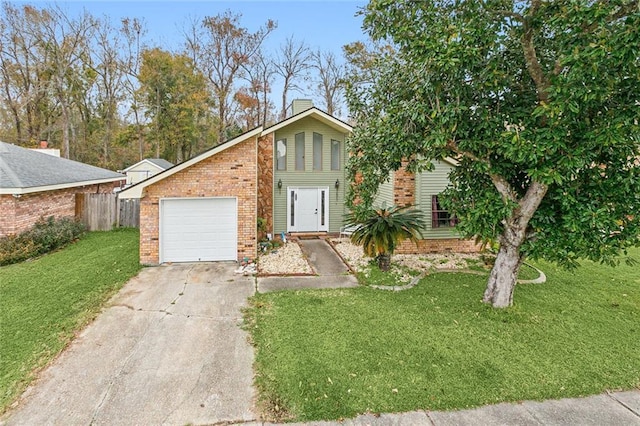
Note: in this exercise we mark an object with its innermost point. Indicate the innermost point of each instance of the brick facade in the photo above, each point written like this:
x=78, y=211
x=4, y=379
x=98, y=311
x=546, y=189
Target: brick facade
x=404, y=187
x=265, y=180
x=232, y=172
x=456, y=245
x=18, y=214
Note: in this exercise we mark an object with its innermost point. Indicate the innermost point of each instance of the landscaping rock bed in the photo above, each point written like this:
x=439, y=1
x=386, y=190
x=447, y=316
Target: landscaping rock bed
x=285, y=260
x=290, y=260
x=422, y=263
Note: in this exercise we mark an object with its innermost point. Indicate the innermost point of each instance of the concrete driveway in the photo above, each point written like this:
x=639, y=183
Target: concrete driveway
x=167, y=350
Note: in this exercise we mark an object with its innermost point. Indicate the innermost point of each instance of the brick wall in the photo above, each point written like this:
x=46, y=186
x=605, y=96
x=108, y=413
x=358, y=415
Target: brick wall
x=404, y=187
x=19, y=214
x=229, y=173
x=7, y=215
x=265, y=179
x=455, y=245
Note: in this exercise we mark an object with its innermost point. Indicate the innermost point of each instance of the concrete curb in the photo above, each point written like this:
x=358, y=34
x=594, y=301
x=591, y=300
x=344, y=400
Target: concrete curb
x=542, y=278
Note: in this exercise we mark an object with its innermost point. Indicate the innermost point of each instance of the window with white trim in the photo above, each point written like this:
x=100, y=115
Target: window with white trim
x=335, y=155
x=317, y=151
x=281, y=154
x=300, y=151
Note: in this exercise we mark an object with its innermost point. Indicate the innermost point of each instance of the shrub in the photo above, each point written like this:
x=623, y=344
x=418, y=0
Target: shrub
x=380, y=230
x=45, y=235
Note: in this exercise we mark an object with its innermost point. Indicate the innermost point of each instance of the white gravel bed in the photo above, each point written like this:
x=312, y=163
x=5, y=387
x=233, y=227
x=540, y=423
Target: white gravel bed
x=351, y=253
x=419, y=262
x=287, y=259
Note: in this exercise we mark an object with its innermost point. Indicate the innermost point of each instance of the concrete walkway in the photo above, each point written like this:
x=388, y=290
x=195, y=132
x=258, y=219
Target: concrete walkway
x=323, y=258
x=167, y=350
x=330, y=269
x=618, y=408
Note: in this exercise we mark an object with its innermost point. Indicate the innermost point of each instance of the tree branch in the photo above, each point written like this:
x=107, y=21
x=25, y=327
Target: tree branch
x=508, y=14
x=531, y=58
x=532, y=199
x=625, y=10
x=501, y=184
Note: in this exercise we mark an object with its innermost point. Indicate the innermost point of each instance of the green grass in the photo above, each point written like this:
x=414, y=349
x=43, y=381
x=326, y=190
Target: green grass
x=527, y=273
x=45, y=301
x=328, y=354
x=396, y=276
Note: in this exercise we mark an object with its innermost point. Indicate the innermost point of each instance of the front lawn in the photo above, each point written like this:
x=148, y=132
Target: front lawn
x=45, y=301
x=329, y=354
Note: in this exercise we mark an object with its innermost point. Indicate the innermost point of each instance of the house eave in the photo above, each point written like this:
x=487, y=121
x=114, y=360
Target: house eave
x=44, y=188
x=136, y=191
x=145, y=161
x=314, y=112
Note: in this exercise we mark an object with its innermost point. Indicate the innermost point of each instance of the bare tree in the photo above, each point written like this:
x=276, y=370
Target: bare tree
x=110, y=89
x=23, y=75
x=133, y=31
x=223, y=48
x=64, y=39
x=330, y=80
x=259, y=75
x=292, y=63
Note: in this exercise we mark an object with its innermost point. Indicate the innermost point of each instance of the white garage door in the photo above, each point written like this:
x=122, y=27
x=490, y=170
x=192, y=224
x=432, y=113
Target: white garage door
x=198, y=229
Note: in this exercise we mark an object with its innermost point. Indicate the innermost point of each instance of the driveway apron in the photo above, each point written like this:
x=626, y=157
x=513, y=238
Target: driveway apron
x=168, y=350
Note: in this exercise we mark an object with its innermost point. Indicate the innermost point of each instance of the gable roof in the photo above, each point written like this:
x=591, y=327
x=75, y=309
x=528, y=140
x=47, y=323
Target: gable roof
x=135, y=191
x=316, y=113
x=160, y=163
x=24, y=171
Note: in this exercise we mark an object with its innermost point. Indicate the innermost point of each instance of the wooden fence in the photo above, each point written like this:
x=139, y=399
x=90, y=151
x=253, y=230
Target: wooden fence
x=129, y=212
x=103, y=212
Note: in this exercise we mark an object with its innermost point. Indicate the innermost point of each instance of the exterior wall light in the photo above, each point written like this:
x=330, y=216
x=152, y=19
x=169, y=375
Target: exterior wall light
x=337, y=184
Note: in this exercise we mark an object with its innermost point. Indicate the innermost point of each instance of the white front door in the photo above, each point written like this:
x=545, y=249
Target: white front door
x=307, y=209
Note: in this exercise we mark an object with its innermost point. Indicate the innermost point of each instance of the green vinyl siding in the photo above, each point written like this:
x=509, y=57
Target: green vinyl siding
x=429, y=184
x=325, y=178
x=385, y=193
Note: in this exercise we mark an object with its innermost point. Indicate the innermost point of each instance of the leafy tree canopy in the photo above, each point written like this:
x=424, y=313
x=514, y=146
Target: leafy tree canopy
x=174, y=92
x=538, y=101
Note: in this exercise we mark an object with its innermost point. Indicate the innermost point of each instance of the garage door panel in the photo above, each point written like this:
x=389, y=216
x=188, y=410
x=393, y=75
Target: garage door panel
x=202, y=229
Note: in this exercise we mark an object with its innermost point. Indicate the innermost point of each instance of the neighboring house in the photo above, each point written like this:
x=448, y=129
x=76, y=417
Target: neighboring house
x=34, y=185
x=145, y=169
x=291, y=174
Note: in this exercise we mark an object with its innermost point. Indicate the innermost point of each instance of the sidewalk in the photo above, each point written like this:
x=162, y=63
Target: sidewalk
x=616, y=408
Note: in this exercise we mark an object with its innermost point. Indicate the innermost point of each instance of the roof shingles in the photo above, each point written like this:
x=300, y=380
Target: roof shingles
x=22, y=168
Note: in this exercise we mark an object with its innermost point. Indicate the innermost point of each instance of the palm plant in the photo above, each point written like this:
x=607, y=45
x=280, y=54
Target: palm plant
x=380, y=230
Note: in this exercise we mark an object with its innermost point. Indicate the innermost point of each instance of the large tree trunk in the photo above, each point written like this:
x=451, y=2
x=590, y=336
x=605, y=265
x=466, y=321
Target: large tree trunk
x=66, y=147
x=503, y=277
x=504, y=274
